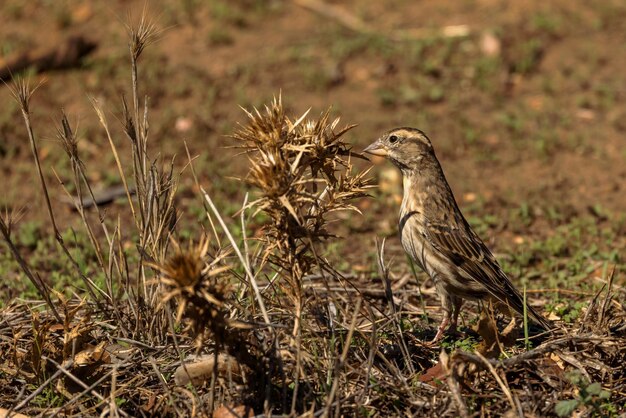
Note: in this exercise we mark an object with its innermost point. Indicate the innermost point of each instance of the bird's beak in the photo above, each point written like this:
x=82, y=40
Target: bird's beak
x=376, y=148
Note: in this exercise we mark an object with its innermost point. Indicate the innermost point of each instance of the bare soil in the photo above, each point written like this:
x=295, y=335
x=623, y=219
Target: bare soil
x=524, y=102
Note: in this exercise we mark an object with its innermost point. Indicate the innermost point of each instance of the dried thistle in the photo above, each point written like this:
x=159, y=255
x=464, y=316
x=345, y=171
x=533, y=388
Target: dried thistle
x=198, y=285
x=303, y=171
x=201, y=288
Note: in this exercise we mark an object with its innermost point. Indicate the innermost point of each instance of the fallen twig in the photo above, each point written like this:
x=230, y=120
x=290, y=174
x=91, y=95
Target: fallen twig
x=355, y=24
x=67, y=55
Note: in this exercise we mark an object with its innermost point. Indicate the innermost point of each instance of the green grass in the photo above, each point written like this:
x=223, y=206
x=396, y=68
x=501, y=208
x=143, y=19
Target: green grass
x=444, y=86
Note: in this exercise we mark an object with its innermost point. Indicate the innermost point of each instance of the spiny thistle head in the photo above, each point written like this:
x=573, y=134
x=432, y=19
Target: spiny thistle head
x=185, y=267
x=285, y=146
x=198, y=284
x=303, y=172
x=302, y=167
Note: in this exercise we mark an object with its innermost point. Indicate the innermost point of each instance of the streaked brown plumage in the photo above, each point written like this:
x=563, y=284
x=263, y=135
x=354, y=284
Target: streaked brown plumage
x=437, y=237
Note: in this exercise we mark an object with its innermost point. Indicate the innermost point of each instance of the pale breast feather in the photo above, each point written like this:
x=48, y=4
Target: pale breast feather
x=412, y=243
x=420, y=250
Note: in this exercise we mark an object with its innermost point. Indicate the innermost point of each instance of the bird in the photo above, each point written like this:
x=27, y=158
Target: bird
x=438, y=238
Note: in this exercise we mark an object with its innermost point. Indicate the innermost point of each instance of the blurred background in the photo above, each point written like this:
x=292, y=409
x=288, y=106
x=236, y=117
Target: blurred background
x=524, y=102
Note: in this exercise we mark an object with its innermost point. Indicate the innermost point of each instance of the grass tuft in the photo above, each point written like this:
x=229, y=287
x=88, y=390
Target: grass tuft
x=255, y=316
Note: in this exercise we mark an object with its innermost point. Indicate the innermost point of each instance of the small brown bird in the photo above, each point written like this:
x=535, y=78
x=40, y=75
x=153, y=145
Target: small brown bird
x=438, y=238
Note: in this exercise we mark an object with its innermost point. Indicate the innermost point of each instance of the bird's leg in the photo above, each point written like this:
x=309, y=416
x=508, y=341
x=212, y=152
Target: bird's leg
x=442, y=327
x=451, y=308
x=447, y=305
x=456, y=309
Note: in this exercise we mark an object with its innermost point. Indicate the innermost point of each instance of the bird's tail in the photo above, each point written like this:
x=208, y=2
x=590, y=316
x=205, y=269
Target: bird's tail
x=538, y=318
x=515, y=301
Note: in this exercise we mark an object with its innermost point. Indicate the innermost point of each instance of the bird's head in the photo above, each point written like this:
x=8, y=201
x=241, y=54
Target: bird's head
x=407, y=148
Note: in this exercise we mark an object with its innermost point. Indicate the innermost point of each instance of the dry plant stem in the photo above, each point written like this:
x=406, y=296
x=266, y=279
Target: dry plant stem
x=593, y=307
x=505, y=388
x=92, y=238
x=37, y=391
x=105, y=125
x=39, y=284
x=141, y=35
x=607, y=298
x=372, y=343
x=384, y=273
x=244, y=238
x=341, y=361
x=453, y=384
x=135, y=90
x=295, y=333
x=197, y=183
x=213, y=378
x=70, y=144
x=23, y=99
x=22, y=94
x=297, y=343
x=163, y=383
x=251, y=277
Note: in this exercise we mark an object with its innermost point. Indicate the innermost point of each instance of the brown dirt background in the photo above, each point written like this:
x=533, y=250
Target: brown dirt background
x=537, y=120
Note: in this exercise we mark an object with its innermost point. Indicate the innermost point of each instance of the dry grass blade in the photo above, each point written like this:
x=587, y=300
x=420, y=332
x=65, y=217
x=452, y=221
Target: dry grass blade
x=40, y=285
x=452, y=379
x=103, y=121
x=342, y=359
x=501, y=383
x=249, y=274
x=257, y=316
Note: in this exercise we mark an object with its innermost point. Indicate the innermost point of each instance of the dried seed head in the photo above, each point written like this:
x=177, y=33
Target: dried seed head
x=68, y=139
x=184, y=268
x=142, y=34
x=301, y=167
x=198, y=285
x=303, y=173
x=22, y=92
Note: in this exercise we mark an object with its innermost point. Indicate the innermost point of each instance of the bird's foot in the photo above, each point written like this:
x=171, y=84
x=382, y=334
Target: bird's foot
x=440, y=334
x=444, y=330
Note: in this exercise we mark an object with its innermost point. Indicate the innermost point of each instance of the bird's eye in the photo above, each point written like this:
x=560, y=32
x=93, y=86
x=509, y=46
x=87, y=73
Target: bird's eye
x=393, y=139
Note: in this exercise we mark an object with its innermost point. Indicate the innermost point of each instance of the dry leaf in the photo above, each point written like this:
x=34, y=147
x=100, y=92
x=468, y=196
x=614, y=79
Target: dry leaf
x=230, y=411
x=91, y=355
x=488, y=330
x=433, y=376
x=557, y=360
x=5, y=413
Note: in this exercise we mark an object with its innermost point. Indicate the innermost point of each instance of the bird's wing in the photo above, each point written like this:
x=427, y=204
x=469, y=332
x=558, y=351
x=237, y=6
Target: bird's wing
x=467, y=251
x=460, y=244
